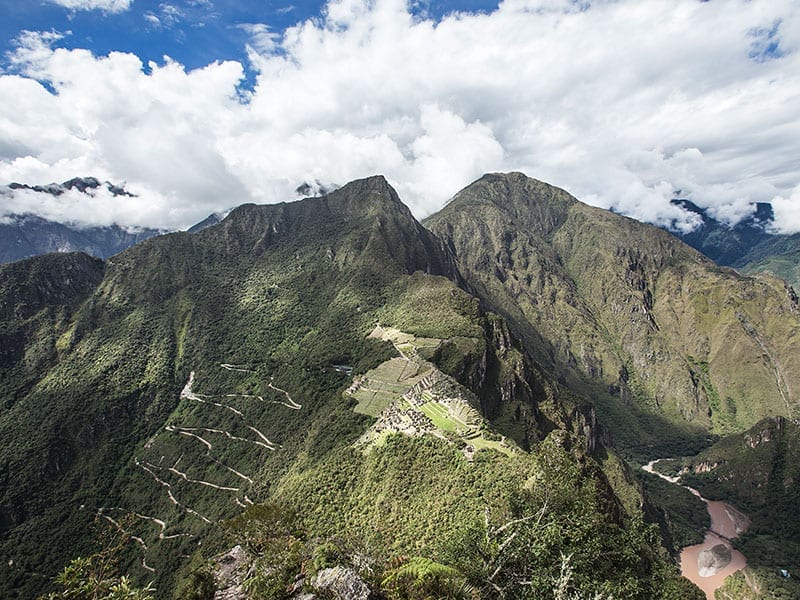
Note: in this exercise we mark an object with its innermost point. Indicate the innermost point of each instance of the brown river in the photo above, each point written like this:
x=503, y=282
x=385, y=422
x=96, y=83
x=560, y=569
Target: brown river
x=726, y=523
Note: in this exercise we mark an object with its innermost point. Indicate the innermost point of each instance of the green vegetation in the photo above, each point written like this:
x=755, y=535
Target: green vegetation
x=779, y=255
x=685, y=516
x=186, y=390
x=504, y=523
x=668, y=346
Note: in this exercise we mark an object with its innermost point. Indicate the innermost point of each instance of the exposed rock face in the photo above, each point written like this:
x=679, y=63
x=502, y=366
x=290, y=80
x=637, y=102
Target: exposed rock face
x=705, y=467
x=230, y=572
x=344, y=583
x=712, y=561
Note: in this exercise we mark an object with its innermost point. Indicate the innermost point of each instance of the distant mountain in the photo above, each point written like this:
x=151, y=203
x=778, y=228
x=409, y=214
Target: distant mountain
x=82, y=184
x=25, y=235
x=22, y=236
x=723, y=244
x=777, y=254
x=315, y=188
x=748, y=246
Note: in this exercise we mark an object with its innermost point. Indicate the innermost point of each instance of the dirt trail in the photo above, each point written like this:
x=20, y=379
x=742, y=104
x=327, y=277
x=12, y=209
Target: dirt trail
x=190, y=395
x=149, y=468
x=174, y=469
x=135, y=538
x=161, y=524
x=188, y=431
x=241, y=368
x=289, y=402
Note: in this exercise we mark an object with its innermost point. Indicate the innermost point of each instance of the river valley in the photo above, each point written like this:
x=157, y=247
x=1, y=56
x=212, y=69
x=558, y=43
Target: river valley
x=726, y=523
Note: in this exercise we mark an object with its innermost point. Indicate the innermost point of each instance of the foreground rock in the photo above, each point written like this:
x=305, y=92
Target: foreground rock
x=230, y=571
x=713, y=560
x=342, y=582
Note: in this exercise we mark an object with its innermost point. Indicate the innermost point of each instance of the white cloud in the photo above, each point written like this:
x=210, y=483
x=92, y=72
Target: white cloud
x=787, y=215
x=625, y=104
x=112, y=6
x=262, y=39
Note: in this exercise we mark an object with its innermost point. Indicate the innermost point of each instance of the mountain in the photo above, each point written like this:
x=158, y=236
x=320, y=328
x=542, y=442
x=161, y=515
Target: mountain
x=83, y=184
x=334, y=388
x=778, y=254
x=317, y=384
x=22, y=236
x=727, y=245
x=669, y=346
x=25, y=235
x=748, y=246
x=209, y=221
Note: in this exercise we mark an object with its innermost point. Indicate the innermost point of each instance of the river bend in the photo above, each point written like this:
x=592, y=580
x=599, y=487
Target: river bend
x=726, y=523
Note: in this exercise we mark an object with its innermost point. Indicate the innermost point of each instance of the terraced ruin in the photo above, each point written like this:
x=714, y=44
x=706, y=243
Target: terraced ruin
x=409, y=395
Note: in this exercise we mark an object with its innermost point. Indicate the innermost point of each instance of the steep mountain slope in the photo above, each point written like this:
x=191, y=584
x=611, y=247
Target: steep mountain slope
x=668, y=344
x=196, y=374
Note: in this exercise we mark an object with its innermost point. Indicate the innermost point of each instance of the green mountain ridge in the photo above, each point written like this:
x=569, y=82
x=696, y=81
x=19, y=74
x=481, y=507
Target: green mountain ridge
x=627, y=313
x=194, y=377
x=750, y=246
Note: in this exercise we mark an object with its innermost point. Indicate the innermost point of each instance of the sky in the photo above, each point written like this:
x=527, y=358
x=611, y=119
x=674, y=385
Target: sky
x=197, y=106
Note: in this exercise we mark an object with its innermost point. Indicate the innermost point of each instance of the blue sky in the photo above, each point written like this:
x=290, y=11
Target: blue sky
x=624, y=103
x=193, y=32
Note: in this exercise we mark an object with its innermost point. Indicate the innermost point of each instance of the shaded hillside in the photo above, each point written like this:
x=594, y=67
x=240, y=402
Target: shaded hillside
x=206, y=373
x=779, y=254
x=668, y=344
x=23, y=236
x=727, y=245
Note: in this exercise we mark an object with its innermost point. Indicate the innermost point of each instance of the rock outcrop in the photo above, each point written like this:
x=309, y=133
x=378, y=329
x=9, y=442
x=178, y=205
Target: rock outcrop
x=712, y=561
x=343, y=583
x=231, y=570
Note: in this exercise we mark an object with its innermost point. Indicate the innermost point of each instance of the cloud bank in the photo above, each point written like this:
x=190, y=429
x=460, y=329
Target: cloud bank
x=625, y=104
x=112, y=6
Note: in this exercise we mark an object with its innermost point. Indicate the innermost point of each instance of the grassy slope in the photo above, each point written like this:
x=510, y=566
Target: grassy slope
x=779, y=255
x=288, y=306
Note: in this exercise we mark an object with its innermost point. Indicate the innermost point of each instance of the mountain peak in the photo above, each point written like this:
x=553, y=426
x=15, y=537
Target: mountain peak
x=375, y=184
x=535, y=204
x=85, y=185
